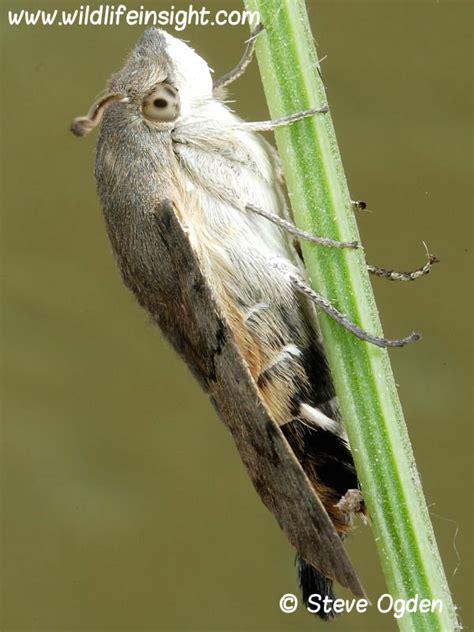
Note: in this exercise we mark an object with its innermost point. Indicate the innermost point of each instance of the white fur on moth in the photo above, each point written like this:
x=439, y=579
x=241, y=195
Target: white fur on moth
x=166, y=134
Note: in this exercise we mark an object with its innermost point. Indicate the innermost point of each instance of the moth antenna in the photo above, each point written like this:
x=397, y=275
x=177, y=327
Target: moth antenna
x=82, y=125
x=332, y=312
x=301, y=234
x=393, y=275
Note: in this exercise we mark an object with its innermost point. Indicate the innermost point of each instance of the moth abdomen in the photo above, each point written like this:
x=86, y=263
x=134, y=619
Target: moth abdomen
x=313, y=583
x=328, y=463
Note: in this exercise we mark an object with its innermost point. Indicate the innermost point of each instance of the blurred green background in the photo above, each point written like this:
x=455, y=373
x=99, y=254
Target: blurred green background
x=125, y=505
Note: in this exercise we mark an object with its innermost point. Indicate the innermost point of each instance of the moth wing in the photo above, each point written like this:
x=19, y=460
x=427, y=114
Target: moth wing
x=190, y=318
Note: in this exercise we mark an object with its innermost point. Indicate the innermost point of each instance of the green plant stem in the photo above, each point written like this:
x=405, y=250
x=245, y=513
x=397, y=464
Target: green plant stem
x=362, y=374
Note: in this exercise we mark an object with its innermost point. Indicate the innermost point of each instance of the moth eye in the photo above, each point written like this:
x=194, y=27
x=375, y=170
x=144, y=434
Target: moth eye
x=162, y=104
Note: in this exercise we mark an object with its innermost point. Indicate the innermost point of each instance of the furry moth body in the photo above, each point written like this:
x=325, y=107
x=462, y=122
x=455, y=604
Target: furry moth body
x=176, y=171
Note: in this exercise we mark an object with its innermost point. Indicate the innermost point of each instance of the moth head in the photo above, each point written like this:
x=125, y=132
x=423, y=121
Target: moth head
x=161, y=80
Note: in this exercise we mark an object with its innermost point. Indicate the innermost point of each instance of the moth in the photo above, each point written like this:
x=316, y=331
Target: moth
x=194, y=208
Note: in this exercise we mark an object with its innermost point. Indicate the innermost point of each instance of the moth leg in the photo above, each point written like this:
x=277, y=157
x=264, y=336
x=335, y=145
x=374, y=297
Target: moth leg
x=300, y=286
x=393, y=275
x=352, y=502
x=360, y=205
x=268, y=126
x=239, y=70
x=301, y=234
